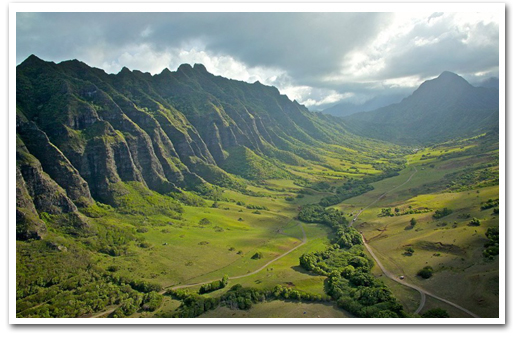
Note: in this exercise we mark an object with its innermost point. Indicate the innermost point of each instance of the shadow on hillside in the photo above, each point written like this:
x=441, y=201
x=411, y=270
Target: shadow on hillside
x=303, y=271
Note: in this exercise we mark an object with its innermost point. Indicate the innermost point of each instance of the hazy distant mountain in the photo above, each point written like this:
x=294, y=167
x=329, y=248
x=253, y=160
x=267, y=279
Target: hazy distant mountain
x=492, y=82
x=440, y=109
x=348, y=108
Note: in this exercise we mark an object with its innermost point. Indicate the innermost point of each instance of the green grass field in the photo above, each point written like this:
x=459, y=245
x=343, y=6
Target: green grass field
x=184, y=251
x=206, y=243
x=280, y=309
x=450, y=245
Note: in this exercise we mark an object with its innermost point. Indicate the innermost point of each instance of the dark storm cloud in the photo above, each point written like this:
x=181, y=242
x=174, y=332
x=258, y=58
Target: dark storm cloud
x=315, y=57
x=306, y=45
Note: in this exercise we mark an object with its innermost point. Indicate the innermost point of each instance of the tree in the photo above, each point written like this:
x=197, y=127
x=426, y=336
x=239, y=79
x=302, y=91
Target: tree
x=409, y=251
x=475, y=222
x=204, y=222
x=224, y=281
x=426, y=272
x=412, y=222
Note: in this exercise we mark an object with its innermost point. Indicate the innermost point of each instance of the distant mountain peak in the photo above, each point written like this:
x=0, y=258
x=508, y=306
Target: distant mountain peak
x=449, y=77
x=33, y=60
x=200, y=67
x=442, y=108
x=184, y=67
x=448, y=74
x=165, y=71
x=124, y=70
x=445, y=84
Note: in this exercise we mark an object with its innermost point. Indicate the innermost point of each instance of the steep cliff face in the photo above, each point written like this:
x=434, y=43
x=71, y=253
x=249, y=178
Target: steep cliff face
x=84, y=134
x=28, y=223
x=38, y=194
x=53, y=162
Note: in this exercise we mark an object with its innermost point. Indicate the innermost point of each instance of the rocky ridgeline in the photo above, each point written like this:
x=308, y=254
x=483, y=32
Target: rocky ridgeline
x=82, y=134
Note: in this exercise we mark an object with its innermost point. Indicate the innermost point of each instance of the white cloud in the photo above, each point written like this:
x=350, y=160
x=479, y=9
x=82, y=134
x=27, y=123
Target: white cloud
x=314, y=58
x=406, y=34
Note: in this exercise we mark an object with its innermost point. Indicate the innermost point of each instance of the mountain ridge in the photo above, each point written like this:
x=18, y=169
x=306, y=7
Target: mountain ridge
x=95, y=135
x=442, y=108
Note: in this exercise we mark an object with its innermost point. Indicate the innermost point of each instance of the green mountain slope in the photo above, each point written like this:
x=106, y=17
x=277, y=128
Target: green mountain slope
x=98, y=135
x=444, y=108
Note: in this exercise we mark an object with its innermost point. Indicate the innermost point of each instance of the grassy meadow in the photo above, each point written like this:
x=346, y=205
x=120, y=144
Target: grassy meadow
x=224, y=235
x=451, y=245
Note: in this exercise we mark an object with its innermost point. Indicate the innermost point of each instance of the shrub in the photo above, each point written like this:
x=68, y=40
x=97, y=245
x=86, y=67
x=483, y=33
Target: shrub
x=425, y=272
x=438, y=214
x=409, y=251
x=475, y=222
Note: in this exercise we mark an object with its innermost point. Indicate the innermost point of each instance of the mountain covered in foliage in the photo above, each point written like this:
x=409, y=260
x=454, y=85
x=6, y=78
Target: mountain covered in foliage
x=84, y=135
x=440, y=109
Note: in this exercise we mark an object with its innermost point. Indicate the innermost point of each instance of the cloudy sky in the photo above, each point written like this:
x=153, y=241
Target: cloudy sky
x=318, y=59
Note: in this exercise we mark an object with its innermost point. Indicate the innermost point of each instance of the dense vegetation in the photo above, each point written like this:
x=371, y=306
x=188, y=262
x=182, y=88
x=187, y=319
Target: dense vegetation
x=237, y=298
x=492, y=246
x=348, y=269
x=213, y=286
x=354, y=187
x=440, y=213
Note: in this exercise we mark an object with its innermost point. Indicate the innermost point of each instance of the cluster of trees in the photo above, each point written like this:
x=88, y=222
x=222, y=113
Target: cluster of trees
x=335, y=258
x=86, y=293
x=144, y=302
x=192, y=305
x=492, y=246
x=213, y=286
x=237, y=298
x=409, y=251
x=350, y=189
x=319, y=214
x=204, y=222
x=475, y=222
x=56, y=277
x=257, y=207
x=440, y=213
x=350, y=282
x=490, y=203
x=397, y=211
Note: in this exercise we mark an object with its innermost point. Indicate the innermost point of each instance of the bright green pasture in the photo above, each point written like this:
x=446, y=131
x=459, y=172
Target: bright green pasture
x=450, y=245
x=285, y=271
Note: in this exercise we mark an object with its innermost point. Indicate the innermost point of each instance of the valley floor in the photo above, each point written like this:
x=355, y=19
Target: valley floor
x=210, y=242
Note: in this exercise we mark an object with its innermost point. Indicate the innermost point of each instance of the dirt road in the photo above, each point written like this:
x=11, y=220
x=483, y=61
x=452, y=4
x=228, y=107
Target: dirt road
x=395, y=278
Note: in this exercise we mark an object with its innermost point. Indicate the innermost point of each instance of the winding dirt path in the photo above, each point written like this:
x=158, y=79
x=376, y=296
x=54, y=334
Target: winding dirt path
x=303, y=241
x=388, y=274
x=382, y=196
